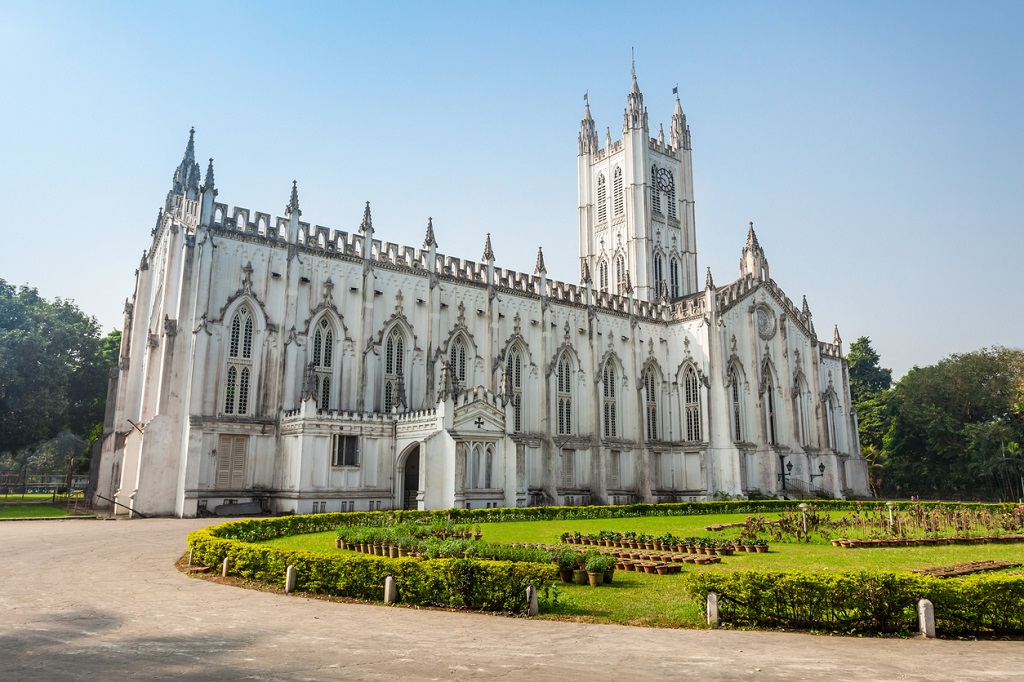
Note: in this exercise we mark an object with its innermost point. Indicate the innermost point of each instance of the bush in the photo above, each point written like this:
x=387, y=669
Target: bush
x=865, y=602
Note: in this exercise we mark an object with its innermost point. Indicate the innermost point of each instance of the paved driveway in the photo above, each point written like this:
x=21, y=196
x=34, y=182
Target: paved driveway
x=102, y=600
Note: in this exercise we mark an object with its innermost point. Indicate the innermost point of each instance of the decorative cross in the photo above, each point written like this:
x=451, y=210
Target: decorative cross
x=479, y=422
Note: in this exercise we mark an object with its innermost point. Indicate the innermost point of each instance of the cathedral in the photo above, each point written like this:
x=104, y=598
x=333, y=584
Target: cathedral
x=269, y=361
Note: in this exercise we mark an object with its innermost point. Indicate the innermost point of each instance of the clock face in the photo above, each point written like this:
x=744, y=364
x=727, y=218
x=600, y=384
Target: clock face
x=664, y=179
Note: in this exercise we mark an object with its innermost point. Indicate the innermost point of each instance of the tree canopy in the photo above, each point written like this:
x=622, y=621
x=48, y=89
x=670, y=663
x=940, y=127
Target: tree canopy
x=53, y=369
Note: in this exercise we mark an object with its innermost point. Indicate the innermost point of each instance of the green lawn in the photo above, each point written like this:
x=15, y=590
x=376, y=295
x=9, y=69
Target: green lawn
x=653, y=600
x=27, y=511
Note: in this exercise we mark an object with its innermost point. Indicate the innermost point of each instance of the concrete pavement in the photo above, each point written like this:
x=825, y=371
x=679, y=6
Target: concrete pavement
x=103, y=600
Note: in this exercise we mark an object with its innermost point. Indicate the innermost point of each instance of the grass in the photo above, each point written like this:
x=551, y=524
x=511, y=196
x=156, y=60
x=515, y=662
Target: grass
x=660, y=601
x=28, y=511
x=15, y=498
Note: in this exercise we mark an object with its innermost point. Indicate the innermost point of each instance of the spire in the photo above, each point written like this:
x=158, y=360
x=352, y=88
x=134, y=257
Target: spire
x=588, y=132
x=208, y=181
x=679, y=134
x=186, y=175
x=488, y=251
x=752, y=260
x=836, y=340
x=752, y=237
x=367, y=223
x=636, y=115
x=293, y=202
x=586, y=273
x=709, y=282
x=429, y=240
x=540, y=269
x=608, y=137
x=661, y=134
x=805, y=309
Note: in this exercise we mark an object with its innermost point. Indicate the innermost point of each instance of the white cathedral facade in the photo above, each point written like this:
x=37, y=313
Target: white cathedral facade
x=265, y=359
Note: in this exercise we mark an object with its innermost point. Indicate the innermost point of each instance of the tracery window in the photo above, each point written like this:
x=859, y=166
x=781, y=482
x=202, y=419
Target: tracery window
x=620, y=274
x=655, y=192
x=657, y=275
x=737, y=423
x=618, y=198
x=610, y=408
x=602, y=199
x=769, y=408
x=672, y=210
x=564, y=396
x=514, y=383
x=692, y=404
x=602, y=275
x=323, y=362
x=457, y=358
x=673, y=273
x=239, y=363
x=651, y=404
x=394, y=367
x=830, y=416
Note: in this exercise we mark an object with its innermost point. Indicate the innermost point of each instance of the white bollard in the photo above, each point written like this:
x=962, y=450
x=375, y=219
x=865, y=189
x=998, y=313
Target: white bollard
x=190, y=555
x=531, y=599
x=390, y=590
x=224, y=568
x=926, y=619
x=712, y=609
x=289, y=580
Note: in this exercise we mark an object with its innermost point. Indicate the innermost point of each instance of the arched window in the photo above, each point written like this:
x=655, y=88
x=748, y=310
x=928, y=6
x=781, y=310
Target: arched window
x=323, y=362
x=737, y=422
x=672, y=211
x=691, y=407
x=769, y=409
x=489, y=467
x=394, y=368
x=657, y=275
x=830, y=417
x=514, y=385
x=457, y=358
x=620, y=274
x=239, y=363
x=673, y=274
x=610, y=410
x=655, y=192
x=618, y=199
x=564, y=395
x=602, y=275
x=602, y=199
x=803, y=432
x=651, y=404
x=474, y=468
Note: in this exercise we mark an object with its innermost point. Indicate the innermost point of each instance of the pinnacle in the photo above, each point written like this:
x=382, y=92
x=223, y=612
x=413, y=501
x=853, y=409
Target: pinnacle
x=429, y=240
x=805, y=309
x=367, y=223
x=488, y=251
x=752, y=236
x=586, y=272
x=293, y=201
x=208, y=181
x=837, y=340
x=709, y=282
x=540, y=269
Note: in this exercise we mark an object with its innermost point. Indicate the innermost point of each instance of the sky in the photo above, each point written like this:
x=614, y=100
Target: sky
x=877, y=146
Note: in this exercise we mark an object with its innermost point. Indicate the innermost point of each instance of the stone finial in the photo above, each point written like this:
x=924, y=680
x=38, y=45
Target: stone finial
x=752, y=236
x=805, y=309
x=488, y=251
x=837, y=340
x=367, y=223
x=664, y=292
x=208, y=181
x=159, y=219
x=586, y=273
x=629, y=284
x=608, y=137
x=661, y=134
x=709, y=282
x=293, y=202
x=540, y=269
x=429, y=240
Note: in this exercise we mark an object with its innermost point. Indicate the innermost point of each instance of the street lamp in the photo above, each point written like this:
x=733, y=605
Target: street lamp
x=890, y=504
x=784, y=468
x=803, y=512
x=821, y=471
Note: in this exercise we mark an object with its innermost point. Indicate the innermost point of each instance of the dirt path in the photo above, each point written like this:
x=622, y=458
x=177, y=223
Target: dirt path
x=102, y=600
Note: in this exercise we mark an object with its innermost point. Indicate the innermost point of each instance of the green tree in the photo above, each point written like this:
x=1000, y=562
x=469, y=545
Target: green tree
x=53, y=375
x=867, y=377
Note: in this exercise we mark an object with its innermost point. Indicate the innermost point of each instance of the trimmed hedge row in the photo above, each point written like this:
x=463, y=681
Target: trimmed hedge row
x=865, y=602
x=457, y=583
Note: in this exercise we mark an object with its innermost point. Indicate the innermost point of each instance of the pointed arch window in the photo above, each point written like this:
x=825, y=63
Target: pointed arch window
x=655, y=192
x=457, y=358
x=239, y=363
x=691, y=406
x=737, y=422
x=672, y=210
x=514, y=385
x=609, y=403
x=602, y=199
x=322, y=361
x=602, y=275
x=651, y=404
x=618, y=198
x=394, y=369
x=673, y=274
x=657, y=275
x=489, y=467
x=564, y=396
x=830, y=418
x=620, y=274
x=803, y=432
x=769, y=409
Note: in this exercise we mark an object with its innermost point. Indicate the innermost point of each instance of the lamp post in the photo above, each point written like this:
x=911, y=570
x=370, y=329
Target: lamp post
x=821, y=471
x=890, y=504
x=803, y=512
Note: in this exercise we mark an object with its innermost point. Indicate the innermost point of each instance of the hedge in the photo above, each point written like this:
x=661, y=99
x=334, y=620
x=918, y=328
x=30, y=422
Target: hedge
x=882, y=602
x=458, y=583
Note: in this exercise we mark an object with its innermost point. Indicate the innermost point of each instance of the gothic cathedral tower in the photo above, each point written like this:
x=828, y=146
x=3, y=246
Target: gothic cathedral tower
x=637, y=232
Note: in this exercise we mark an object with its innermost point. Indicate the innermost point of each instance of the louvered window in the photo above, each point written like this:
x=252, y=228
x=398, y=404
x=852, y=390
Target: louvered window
x=602, y=199
x=610, y=408
x=231, y=451
x=618, y=199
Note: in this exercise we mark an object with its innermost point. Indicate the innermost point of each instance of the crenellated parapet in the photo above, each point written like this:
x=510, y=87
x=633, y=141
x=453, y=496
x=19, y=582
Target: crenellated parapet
x=830, y=350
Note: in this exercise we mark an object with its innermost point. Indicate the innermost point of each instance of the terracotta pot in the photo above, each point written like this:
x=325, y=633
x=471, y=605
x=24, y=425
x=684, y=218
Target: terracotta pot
x=662, y=569
x=565, y=574
x=760, y=549
x=595, y=579
x=393, y=552
x=579, y=577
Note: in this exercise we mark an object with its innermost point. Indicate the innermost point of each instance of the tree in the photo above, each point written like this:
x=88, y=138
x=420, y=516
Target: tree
x=53, y=374
x=867, y=378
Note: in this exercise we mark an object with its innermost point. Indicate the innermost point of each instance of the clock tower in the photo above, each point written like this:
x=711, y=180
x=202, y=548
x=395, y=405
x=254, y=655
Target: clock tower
x=636, y=206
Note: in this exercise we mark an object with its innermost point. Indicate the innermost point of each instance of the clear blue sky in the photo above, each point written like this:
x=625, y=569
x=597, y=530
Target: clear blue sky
x=877, y=146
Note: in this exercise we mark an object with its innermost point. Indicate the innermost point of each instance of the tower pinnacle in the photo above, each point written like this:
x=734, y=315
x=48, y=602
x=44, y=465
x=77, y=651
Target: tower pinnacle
x=429, y=240
x=186, y=175
x=488, y=251
x=293, y=201
x=540, y=269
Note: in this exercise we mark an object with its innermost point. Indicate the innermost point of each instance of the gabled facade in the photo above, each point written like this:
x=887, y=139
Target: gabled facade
x=267, y=359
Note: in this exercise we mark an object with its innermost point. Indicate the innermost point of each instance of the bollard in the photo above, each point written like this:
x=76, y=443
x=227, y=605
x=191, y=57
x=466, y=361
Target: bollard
x=289, y=580
x=926, y=619
x=390, y=590
x=190, y=555
x=531, y=599
x=712, y=609
x=224, y=569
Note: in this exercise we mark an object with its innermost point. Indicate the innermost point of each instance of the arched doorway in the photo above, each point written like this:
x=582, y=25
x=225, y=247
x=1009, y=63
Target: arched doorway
x=411, y=479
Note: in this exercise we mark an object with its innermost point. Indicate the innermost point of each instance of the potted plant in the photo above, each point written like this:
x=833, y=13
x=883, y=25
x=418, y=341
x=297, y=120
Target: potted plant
x=565, y=559
x=596, y=567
